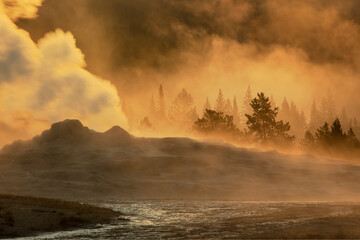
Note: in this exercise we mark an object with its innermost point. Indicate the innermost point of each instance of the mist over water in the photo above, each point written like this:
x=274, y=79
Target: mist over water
x=174, y=219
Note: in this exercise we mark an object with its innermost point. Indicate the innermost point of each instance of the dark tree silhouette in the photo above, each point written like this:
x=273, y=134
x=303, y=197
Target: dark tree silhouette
x=323, y=134
x=216, y=123
x=145, y=124
x=308, y=142
x=333, y=142
x=161, y=104
x=263, y=124
x=337, y=134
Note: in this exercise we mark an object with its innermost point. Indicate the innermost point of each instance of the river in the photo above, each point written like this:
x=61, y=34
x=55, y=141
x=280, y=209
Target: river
x=170, y=219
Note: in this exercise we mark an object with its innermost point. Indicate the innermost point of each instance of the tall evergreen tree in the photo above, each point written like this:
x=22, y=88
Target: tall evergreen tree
x=217, y=124
x=352, y=140
x=323, y=135
x=308, y=142
x=207, y=105
x=285, y=107
x=327, y=108
x=235, y=112
x=161, y=104
x=315, y=120
x=246, y=107
x=220, y=102
x=336, y=129
x=183, y=111
x=228, y=108
x=262, y=123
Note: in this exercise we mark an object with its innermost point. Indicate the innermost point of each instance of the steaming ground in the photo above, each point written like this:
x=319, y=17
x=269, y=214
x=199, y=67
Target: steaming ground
x=72, y=161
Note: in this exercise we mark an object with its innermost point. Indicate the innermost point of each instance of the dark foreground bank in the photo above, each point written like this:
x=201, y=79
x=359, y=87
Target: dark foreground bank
x=29, y=216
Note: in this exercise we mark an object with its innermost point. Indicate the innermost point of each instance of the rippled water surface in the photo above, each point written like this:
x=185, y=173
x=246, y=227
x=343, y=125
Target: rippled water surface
x=221, y=220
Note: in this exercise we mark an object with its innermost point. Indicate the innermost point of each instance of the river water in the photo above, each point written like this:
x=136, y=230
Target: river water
x=155, y=219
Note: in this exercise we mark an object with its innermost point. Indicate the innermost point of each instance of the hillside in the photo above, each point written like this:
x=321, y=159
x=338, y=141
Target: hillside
x=71, y=161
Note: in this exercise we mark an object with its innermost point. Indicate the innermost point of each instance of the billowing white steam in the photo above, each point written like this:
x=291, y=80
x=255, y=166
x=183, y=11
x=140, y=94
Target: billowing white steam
x=48, y=79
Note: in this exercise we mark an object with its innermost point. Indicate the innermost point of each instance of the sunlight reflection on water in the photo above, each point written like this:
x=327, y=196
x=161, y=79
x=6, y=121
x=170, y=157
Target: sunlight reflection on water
x=170, y=219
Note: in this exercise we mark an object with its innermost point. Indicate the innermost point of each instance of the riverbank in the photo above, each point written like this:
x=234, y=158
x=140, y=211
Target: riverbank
x=28, y=216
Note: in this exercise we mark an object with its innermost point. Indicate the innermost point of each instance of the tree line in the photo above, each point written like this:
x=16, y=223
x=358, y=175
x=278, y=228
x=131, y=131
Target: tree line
x=257, y=120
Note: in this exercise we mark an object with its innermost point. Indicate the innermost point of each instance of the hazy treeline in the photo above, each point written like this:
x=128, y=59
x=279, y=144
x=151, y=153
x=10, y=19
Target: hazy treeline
x=254, y=120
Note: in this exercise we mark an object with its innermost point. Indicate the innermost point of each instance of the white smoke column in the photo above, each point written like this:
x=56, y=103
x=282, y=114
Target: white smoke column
x=49, y=81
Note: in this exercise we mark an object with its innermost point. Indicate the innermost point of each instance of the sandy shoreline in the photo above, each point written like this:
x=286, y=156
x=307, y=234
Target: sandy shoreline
x=28, y=216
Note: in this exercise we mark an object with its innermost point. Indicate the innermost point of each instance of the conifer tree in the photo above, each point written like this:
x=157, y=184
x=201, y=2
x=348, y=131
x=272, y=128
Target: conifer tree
x=228, y=108
x=323, y=134
x=235, y=112
x=161, y=104
x=315, y=121
x=308, y=142
x=217, y=124
x=352, y=140
x=263, y=124
x=327, y=108
x=220, y=102
x=183, y=111
x=207, y=105
x=246, y=107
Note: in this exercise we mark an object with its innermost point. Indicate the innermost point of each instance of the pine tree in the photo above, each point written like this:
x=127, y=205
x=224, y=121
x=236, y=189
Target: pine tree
x=315, y=121
x=183, y=111
x=235, y=112
x=262, y=123
x=220, y=102
x=217, y=124
x=228, y=108
x=352, y=140
x=207, y=105
x=303, y=123
x=327, y=108
x=308, y=142
x=322, y=135
x=336, y=130
x=284, y=111
x=161, y=104
x=246, y=107
x=285, y=107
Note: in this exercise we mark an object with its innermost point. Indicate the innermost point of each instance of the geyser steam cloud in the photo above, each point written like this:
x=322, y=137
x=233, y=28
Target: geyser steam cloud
x=285, y=48
x=47, y=82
